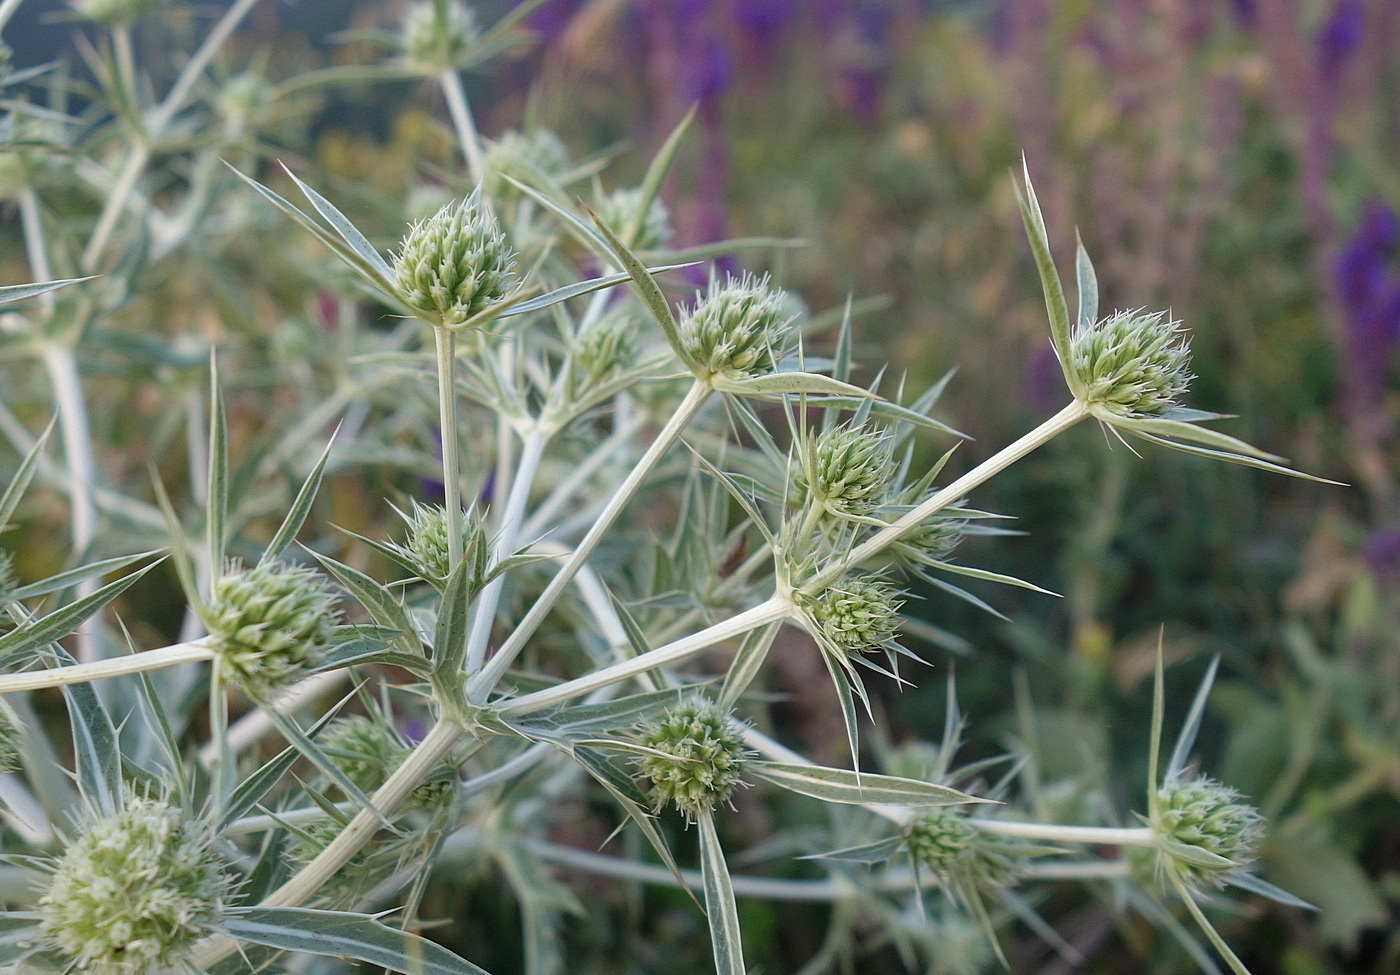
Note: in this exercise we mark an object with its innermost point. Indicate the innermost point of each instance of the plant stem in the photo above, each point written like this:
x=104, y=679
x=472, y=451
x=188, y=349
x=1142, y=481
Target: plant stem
x=416, y=768
x=544, y=513
x=1111, y=835
x=461, y=113
x=954, y=492
x=482, y=682
x=775, y=608
x=446, y=342
x=506, y=538
x=135, y=663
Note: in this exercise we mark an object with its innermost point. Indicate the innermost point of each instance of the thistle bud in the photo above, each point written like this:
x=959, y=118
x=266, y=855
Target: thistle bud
x=434, y=43
x=270, y=625
x=1131, y=364
x=368, y=751
x=454, y=264
x=702, y=761
x=135, y=891
x=848, y=471
x=1209, y=816
x=736, y=330
x=533, y=153
x=611, y=344
x=426, y=546
x=940, y=837
x=619, y=208
x=859, y=614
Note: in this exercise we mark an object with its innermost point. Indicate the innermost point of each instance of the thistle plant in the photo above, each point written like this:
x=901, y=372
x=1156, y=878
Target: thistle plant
x=498, y=558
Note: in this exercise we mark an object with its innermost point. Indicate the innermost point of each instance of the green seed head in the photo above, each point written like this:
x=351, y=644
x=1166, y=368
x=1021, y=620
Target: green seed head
x=850, y=470
x=434, y=43
x=1209, y=816
x=368, y=751
x=526, y=156
x=270, y=625
x=736, y=330
x=1132, y=364
x=940, y=837
x=619, y=208
x=454, y=264
x=703, y=758
x=610, y=345
x=859, y=614
x=426, y=545
x=135, y=892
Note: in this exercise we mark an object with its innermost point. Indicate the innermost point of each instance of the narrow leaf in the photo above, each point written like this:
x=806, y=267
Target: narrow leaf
x=73, y=576
x=1049, y=278
x=748, y=661
x=789, y=383
x=345, y=935
x=845, y=785
x=450, y=636
x=95, y=752
x=655, y=175
x=720, y=907
x=18, y=292
x=19, y=642
x=1087, y=282
x=299, y=740
x=348, y=231
x=381, y=605
x=20, y=482
x=216, y=505
x=301, y=507
x=647, y=288
x=875, y=852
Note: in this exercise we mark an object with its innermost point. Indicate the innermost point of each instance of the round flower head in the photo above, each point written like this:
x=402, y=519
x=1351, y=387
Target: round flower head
x=940, y=837
x=270, y=625
x=857, y=615
x=850, y=470
x=619, y=208
x=1131, y=363
x=736, y=329
x=610, y=344
x=1207, y=815
x=432, y=43
x=426, y=545
x=703, y=757
x=135, y=891
x=523, y=155
x=368, y=751
x=454, y=264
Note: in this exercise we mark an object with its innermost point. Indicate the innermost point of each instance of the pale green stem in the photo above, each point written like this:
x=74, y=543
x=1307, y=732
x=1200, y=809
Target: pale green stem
x=222, y=765
x=776, y=750
x=505, y=435
x=461, y=113
x=1075, y=870
x=506, y=539
x=447, y=422
x=136, y=663
x=481, y=683
x=126, y=63
x=769, y=611
x=416, y=768
x=7, y=10
x=1110, y=835
x=544, y=513
x=954, y=492
x=136, y=160
x=250, y=729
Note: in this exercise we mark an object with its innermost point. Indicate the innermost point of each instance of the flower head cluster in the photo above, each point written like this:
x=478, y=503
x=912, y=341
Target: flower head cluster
x=270, y=625
x=847, y=471
x=702, y=757
x=610, y=344
x=940, y=837
x=619, y=208
x=1205, y=815
x=432, y=43
x=858, y=614
x=426, y=547
x=736, y=330
x=136, y=891
x=534, y=152
x=1131, y=364
x=368, y=751
x=454, y=264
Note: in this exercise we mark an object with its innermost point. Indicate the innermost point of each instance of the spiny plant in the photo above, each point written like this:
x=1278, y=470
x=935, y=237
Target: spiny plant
x=637, y=496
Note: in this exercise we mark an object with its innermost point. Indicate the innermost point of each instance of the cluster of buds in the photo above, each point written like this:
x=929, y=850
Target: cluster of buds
x=860, y=613
x=270, y=625
x=368, y=751
x=1202, y=814
x=453, y=265
x=135, y=891
x=439, y=35
x=1131, y=364
x=940, y=838
x=846, y=471
x=736, y=330
x=527, y=156
x=426, y=546
x=619, y=209
x=609, y=345
x=699, y=758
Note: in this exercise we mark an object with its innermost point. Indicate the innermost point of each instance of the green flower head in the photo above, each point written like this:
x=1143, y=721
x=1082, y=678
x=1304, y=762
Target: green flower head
x=619, y=209
x=610, y=344
x=1203, y=814
x=940, y=837
x=426, y=547
x=270, y=625
x=858, y=614
x=736, y=330
x=439, y=35
x=701, y=761
x=527, y=156
x=135, y=891
x=454, y=264
x=369, y=750
x=847, y=471
x=1131, y=364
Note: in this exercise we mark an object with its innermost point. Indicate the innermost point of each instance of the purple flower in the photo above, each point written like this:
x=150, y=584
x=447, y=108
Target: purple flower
x=1340, y=36
x=1368, y=285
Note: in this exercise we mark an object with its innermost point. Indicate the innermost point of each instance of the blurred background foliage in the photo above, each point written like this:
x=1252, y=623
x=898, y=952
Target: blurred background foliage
x=1234, y=161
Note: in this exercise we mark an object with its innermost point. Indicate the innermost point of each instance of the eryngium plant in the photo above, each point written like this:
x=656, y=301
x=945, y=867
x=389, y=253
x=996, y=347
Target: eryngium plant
x=584, y=619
